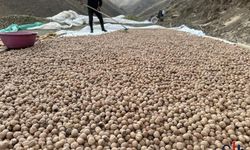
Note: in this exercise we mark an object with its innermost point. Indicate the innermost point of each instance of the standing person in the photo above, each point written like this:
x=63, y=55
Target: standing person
x=160, y=15
x=96, y=4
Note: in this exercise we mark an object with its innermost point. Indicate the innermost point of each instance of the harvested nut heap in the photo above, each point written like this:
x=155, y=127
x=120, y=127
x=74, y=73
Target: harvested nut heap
x=145, y=89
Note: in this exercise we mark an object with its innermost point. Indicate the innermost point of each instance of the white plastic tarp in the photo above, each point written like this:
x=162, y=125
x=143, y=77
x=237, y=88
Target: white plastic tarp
x=121, y=19
x=184, y=28
x=68, y=19
x=72, y=18
x=97, y=30
x=51, y=26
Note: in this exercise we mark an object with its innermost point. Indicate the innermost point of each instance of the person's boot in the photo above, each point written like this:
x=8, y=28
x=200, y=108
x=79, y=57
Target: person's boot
x=91, y=31
x=104, y=30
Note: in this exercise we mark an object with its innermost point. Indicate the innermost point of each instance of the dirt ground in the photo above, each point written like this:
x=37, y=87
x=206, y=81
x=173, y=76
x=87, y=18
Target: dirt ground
x=227, y=19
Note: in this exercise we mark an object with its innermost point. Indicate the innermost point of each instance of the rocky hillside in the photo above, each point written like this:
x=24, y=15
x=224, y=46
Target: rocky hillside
x=228, y=19
x=45, y=8
x=136, y=7
x=154, y=8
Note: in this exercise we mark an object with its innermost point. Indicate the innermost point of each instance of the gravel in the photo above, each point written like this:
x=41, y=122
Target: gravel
x=146, y=89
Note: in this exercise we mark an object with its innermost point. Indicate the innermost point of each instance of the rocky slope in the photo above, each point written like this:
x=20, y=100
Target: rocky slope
x=228, y=19
x=136, y=7
x=45, y=8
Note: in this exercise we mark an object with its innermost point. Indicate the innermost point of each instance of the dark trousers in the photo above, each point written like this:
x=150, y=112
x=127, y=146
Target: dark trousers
x=99, y=16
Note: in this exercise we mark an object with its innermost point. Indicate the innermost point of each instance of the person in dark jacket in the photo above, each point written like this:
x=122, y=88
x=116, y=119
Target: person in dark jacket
x=96, y=4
